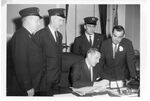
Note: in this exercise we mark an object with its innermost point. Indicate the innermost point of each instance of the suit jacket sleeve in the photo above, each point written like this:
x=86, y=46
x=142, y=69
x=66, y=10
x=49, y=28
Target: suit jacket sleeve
x=36, y=38
x=102, y=60
x=21, y=62
x=102, y=39
x=130, y=60
x=76, y=47
x=76, y=77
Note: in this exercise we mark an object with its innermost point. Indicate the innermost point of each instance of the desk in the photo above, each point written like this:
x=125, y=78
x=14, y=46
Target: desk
x=107, y=93
x=73, y=95
x=103, y=95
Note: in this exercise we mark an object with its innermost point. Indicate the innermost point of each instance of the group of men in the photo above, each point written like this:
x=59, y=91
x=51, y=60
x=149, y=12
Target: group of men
x=37, y=55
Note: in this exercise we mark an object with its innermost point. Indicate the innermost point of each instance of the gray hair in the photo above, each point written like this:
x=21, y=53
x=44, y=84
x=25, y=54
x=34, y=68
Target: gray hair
x=92, y=50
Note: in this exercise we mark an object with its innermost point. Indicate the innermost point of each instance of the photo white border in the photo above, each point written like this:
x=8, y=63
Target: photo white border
x=144, y=47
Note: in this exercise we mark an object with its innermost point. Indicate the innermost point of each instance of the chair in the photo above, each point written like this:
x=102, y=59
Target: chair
x=67, y=60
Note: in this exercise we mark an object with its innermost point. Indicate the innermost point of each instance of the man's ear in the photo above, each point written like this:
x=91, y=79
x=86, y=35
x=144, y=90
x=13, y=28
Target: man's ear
x=124, y=36
x=84, y=26
x=88, y=55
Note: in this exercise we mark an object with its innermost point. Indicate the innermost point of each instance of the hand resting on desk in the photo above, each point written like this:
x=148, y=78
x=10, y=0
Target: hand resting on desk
x=97, y=87
x=102, y=83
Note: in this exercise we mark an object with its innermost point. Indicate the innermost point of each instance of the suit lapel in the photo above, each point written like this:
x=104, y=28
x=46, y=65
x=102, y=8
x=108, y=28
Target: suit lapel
x=50, y=35
x=59, y=37
x=27, y=32
x=116, y=54
x=96, y=72
x=95, y=40
x=87, y=72
x=118, y=50
x=111, y=48
x=85, y=40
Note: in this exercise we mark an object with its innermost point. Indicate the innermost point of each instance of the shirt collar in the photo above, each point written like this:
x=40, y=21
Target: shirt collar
x=115, y=44
x=88, y=65
x=51, y=29
x=28, y=29
x=87, y=35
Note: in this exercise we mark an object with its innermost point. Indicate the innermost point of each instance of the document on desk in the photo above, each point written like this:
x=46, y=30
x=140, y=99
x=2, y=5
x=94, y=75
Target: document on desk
x=64, y=95
x=89, y=90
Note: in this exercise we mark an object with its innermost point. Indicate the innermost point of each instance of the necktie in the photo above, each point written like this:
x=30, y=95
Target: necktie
x=31, y=35
x=90, y=40
x=114, y=50
x=91, y=73
x=56, y=36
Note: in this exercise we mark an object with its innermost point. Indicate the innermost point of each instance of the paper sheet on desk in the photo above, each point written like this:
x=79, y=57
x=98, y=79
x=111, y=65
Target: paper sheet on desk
x=88, y=90
x=65, y=95
x=124, y=92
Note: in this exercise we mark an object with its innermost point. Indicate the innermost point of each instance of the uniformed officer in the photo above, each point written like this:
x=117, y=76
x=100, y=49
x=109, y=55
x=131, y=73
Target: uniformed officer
x=89, y=39
x=50, y=40
x=26, y=55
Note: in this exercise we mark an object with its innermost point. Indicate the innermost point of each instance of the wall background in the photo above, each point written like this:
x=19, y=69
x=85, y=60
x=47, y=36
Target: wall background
x=128, y=16
x=132, y=24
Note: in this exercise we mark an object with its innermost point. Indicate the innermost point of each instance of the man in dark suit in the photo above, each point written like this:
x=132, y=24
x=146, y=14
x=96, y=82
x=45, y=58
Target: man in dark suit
x=26, y=55
x=117, y=56
x=89, y=39
x=50, y=40
x=84, y=73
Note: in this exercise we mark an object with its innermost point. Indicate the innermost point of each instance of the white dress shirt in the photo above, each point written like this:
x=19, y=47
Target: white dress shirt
x=114, y=50
x=91, y=69
x=88, y=37
x=53, y=32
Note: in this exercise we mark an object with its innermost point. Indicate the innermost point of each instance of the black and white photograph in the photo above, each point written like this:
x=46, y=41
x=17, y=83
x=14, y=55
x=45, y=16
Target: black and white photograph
x=73, y=49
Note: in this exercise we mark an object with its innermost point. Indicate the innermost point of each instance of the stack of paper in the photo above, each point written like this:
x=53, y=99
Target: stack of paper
x=88, y=90
x=65, y=95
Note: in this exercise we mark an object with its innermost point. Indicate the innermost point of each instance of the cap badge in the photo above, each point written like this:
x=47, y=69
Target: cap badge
x=57, y=14
x=37, y=10
x=93, y=19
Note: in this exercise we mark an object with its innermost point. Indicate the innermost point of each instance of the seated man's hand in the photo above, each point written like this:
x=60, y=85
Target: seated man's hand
x=102, y=83
x=30, y=92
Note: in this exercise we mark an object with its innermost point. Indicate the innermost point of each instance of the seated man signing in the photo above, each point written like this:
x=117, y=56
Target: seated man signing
x=84, y=73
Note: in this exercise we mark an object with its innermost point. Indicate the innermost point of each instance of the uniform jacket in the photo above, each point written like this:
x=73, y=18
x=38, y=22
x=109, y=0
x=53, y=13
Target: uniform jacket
x=52, y=52
x=122, y=66
x=82, y=45
x=27, y=60
x=81, y=75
